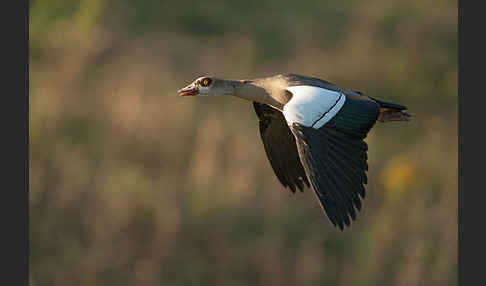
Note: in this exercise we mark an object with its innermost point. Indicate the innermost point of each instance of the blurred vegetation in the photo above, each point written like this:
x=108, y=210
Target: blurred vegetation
x=133, y=185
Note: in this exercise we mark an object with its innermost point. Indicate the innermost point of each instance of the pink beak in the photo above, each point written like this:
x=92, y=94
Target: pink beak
x=189, y=90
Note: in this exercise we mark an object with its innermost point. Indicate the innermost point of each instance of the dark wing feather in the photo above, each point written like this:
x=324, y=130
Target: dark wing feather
x=280, y=147
x=335, y=158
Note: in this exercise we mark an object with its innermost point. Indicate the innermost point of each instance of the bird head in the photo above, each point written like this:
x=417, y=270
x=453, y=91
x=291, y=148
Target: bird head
x=208, y=85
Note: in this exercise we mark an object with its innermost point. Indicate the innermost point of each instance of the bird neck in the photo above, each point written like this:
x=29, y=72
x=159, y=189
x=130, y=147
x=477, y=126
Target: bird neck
x=251, y=91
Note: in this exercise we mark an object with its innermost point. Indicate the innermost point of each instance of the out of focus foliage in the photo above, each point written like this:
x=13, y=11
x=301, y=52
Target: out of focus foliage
x=132, y=185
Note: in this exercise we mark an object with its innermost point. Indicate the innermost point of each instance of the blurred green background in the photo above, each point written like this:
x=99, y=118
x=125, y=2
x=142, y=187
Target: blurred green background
x=131, y=184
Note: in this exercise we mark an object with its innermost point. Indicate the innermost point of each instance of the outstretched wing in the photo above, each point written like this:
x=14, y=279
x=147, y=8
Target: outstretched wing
x=329, y=128
x=280, y=147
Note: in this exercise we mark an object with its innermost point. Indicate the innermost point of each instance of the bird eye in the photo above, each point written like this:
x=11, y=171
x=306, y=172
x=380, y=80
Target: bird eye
x=206, y=82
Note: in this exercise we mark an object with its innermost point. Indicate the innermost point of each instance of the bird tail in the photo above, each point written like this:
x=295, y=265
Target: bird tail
x=392, y=112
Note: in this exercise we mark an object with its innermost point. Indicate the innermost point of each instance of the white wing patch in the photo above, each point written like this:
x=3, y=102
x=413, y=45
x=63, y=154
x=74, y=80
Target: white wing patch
x=312, y=106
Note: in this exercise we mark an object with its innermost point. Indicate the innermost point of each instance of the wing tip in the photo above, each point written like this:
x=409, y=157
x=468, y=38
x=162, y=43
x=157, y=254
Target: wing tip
x=342, y=201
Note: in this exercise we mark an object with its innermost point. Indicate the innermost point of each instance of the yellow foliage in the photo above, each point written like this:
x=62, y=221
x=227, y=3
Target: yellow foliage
x=398, y=176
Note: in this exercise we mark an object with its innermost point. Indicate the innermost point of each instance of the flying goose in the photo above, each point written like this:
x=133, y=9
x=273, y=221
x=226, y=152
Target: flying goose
x=312, y=132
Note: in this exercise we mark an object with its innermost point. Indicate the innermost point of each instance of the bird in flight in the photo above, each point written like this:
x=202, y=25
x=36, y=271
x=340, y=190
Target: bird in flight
x=313, y=133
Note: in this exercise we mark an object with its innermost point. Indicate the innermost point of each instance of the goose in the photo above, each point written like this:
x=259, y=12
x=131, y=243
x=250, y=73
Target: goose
x=313, y=134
